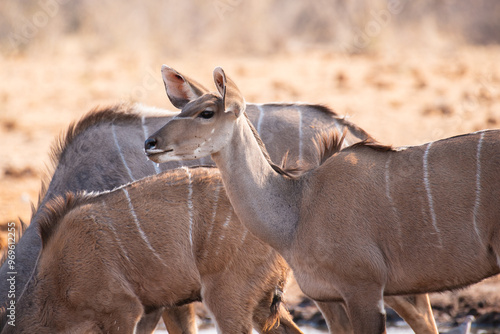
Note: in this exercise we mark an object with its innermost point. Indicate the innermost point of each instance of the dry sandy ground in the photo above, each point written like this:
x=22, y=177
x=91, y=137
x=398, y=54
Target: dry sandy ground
x=401, y=97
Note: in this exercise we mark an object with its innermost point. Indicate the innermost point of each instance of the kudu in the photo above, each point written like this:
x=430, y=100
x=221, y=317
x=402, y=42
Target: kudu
x=104, y=151
x=369, y=221
x=108, y=256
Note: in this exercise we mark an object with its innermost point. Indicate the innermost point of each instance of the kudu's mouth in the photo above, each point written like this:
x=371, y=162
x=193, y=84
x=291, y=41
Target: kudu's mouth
x=155, y=154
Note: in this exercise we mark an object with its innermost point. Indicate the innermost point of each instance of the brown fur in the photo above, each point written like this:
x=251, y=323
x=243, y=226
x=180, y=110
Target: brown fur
x=55, y=210
x=294, y=215
x=327, y=144
x=91, y=244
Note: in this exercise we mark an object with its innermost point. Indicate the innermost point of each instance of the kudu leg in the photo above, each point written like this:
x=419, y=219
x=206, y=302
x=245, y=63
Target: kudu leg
x=149, y=321
x=232, y=312
x=365, y=308
x=180, y=320
x=416, y=311
x=336, y=317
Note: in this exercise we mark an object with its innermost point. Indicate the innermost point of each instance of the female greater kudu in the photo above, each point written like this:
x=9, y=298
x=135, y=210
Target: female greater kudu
x=369, y=221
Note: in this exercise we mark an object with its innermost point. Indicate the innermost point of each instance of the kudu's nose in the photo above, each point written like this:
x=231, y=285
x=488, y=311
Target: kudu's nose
x=150, y=143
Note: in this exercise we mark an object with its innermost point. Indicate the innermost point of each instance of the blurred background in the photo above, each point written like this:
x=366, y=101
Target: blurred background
x=406, y=71
x=259, y=27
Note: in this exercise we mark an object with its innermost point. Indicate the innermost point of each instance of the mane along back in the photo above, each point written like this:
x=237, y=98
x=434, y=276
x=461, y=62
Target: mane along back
x=356, y=130
x=328, y=143
x=319, y=107
x=58, y=207
x=119, y=112
x=55, y=210
x=373, y=144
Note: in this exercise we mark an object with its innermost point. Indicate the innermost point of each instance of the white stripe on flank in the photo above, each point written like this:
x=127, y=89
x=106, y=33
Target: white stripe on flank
x=300, y=134
x=477, y=202
x=389, y=197
x=146, y=135
x=214, y=211
x=226, y=224
x=124, y=251
x=216, y=203
x=214, y=214
x=261, y=117
x=139, y=228
x=222, y=235
x=120, y=152
x=190, y=206
x=429, y=194
x=243, y=237
x=228, y=218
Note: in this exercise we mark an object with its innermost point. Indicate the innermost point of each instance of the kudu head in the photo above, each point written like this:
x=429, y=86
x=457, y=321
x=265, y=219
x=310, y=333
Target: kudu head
x=48, y=309
x=205, y=123
x=65, y=296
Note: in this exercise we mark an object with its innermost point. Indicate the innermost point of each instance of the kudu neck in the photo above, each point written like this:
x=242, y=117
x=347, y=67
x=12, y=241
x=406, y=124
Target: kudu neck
x=264, y=200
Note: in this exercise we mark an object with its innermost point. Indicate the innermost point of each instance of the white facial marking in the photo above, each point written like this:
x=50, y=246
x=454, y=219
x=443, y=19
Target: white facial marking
x=146, y=135
x=120, y=152
x=429, y=193
x=477, y=202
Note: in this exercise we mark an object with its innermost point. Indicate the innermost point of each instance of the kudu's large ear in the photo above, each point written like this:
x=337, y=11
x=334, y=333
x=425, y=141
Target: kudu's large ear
x=180, y=89
x=231, y=96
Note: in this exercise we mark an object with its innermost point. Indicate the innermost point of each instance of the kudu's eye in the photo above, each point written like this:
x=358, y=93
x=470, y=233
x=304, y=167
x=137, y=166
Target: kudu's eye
x=206, y=114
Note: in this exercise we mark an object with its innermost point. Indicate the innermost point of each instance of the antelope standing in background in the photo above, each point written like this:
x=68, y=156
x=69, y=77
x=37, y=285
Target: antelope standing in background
x=369, y=221
x=104, y=150
x=108, y=256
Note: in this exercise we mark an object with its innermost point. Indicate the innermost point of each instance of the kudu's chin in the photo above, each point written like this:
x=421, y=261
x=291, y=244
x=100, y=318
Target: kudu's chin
x=159, y=156
x=169, y=155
